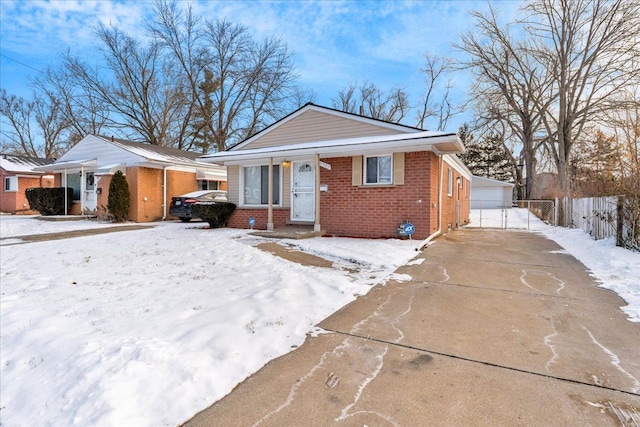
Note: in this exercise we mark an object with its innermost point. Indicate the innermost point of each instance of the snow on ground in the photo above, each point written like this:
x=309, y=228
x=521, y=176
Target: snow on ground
x=615, y=268
x=147, y=327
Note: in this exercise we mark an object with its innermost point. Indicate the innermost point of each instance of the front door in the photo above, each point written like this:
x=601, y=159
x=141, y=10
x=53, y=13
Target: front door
x=303, y=191
x=90, y=197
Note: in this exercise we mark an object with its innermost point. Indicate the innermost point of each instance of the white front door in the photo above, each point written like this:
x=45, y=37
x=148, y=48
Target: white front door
x=90, y=197
x=303, y=191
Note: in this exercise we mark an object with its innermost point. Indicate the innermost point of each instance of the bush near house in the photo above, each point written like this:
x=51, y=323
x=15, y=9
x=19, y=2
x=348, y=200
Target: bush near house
x=215, y=213
x=119, y=200
x=49, y=201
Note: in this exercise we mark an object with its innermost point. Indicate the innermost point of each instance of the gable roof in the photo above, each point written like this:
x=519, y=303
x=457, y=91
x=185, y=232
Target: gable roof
x=107, y=153
x=152, y=152
x=375, y=126
x=22, y=164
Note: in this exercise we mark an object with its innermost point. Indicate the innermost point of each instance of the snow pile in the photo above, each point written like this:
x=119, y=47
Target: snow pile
x=148, y=327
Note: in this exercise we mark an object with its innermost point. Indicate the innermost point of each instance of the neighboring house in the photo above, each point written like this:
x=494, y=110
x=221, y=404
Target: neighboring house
x=347, y=175
x=487, y=193
x=154, y=175
x=18, y=174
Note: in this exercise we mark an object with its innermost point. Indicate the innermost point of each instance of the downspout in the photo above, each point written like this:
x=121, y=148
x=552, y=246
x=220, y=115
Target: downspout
x=316, y=225
x=436, y=233
x=270, y=196
x=164, y=192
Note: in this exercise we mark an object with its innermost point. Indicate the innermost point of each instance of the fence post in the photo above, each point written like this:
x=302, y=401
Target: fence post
x=528, y=213
x=620, y=221
x=555, y=213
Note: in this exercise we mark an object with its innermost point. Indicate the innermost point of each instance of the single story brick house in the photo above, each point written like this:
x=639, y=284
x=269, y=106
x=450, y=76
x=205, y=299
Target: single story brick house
x=154, y=174
x=18, y=173
x=347, y=175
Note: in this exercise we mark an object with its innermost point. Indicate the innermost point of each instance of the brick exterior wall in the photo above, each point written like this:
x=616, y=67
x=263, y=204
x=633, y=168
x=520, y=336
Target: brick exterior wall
x=16, y=201
x=179, y=183
x=449, y=202
x=240, y=218
x=376, y=212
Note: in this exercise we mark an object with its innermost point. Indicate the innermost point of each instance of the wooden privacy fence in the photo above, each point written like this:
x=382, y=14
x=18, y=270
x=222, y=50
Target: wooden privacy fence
x=604, y=217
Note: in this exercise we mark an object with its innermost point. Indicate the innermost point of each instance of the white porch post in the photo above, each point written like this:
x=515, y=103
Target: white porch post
x=83, y=189
x=316, y=225
x=66, y=201
x=270, y=196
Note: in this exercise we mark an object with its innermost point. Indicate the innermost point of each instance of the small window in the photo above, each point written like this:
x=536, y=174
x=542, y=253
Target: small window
x=450, y=182
x=378, y=170
x=256, y=185
x=208, y=185
x=11, y=183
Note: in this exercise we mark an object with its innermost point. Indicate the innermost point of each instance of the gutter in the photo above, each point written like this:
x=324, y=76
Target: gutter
x=436, y=233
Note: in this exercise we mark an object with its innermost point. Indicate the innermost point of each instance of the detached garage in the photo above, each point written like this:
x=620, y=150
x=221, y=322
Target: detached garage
x=489, y=193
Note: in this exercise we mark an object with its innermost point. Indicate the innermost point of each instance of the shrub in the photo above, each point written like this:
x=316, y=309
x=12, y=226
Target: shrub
x=119, y=200
x=215, y=213
x=49, y=201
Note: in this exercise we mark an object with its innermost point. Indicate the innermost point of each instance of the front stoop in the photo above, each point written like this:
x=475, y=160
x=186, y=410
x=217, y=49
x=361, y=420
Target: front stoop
x=289, y=232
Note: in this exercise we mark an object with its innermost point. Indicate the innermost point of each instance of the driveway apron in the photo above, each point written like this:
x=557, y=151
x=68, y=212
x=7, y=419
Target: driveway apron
x=481, y=328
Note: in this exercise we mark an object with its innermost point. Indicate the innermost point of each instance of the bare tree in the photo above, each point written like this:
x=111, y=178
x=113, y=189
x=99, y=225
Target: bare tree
x=85, y=112
x=589, y=48
x=255, y=80
x=179, y=33
x=370, y=101
x=21, y=136
x=442, y=110
x=508, y=88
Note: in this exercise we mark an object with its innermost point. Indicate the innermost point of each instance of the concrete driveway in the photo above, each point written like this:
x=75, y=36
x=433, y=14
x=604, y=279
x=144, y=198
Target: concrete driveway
x=493, y=328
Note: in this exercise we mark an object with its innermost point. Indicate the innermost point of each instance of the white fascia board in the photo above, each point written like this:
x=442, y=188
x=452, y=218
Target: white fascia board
x=422, y=141
x=457, y=164
x=74, y=164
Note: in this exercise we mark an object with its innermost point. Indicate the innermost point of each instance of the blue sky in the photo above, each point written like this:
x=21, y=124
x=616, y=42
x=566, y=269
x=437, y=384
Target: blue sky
x=335, y=43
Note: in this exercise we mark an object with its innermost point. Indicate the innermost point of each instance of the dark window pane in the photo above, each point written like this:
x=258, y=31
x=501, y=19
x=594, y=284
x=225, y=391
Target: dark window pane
x=372, y=170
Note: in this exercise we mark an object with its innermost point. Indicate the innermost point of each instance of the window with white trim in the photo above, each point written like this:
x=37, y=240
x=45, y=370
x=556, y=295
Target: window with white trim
x=378, y=169
x=450, y=182
x=256, y=185
x=11, y=184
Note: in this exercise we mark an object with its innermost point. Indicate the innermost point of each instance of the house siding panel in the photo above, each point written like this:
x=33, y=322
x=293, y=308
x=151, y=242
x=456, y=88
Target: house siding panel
x=317, y=126
x=96, y=148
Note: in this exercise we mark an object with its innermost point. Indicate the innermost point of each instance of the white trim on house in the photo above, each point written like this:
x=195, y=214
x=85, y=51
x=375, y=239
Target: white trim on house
x=440, y=142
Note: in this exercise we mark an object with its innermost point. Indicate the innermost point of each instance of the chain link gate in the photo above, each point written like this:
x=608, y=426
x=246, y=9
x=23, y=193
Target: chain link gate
x=523, y=215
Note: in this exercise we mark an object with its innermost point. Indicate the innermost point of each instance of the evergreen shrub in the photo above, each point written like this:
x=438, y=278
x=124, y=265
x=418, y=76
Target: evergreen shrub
x=119, y=200
x=215, y=213
x=49, y=201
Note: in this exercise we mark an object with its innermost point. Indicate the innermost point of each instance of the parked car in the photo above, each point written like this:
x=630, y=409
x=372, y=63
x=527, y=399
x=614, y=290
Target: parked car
x=181, y=205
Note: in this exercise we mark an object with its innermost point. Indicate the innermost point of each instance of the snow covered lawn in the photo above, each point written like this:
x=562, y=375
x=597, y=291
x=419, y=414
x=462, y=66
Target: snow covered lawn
x=147, y=327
